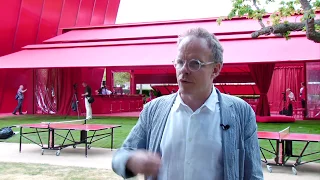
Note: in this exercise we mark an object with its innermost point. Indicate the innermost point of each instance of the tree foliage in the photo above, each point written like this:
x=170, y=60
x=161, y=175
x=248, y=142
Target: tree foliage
x=278, y=23
x=121, y=78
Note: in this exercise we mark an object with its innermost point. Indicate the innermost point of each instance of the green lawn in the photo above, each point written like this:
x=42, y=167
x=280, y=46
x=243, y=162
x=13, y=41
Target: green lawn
x=311, y=127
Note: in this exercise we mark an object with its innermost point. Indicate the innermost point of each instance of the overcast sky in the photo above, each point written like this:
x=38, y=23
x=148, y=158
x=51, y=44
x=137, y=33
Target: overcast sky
x=132, y=11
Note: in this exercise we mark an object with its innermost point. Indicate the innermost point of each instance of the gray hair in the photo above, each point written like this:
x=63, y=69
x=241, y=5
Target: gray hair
x=212, y=42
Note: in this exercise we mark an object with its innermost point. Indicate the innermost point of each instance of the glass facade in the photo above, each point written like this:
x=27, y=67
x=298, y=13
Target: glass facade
x=313, y=89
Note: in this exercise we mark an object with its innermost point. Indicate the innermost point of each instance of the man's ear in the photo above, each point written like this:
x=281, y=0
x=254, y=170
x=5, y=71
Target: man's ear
x=216, y=70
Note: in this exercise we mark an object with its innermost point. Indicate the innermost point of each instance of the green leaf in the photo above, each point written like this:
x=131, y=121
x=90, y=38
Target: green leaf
x=219, y=20
x=121, y=77
x=286, y=35
x=316, y=3
x=286, y=8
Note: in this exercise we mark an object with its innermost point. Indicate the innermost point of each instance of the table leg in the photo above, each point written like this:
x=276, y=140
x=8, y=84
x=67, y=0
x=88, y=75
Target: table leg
x=84, y=137
x=277, y=152
x=51, y=139
x=111, y=139
x=20, y=139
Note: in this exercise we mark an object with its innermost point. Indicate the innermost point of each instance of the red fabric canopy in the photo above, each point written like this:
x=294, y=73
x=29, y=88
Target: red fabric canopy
x=159, y=53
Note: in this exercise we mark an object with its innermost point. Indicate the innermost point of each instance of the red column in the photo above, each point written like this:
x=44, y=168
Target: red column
x=132, y=83
x=109, y=79
x=30, y=92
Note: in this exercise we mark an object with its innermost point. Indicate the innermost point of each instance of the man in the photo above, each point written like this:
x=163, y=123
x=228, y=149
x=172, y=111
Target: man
x=87, y=94
x=151, y=96
x=198, y=132
x=20, y=98
x=105, y=91
x=291, y=98
x=303, y=98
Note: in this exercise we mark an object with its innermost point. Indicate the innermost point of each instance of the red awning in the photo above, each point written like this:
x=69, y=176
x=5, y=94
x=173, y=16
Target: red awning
x=160, y=29
x=157, y=52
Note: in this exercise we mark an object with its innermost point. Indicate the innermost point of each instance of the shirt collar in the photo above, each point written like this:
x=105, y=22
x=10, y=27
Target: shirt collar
x=209, y=103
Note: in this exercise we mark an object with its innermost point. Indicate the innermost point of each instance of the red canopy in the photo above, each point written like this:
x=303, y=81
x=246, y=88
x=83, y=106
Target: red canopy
x=156, y=30
x=156, y=52
x=154, y=44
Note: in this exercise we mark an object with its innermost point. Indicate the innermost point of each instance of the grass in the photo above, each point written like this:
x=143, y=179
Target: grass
x=310, y=127
x=119, y=133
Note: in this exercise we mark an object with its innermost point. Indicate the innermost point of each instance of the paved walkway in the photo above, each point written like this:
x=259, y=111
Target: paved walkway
x=101, y=158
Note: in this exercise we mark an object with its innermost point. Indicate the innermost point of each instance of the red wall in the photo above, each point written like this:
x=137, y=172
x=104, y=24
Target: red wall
x=25, y=22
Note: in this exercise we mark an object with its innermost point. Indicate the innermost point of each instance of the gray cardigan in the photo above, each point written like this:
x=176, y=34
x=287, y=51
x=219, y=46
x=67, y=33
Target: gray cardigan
x=241, y=153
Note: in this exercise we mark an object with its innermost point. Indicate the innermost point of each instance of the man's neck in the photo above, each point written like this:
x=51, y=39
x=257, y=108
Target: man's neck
x=195, y=101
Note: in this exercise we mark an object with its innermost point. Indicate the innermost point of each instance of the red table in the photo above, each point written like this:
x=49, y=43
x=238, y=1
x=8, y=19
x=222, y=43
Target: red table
x=284, y=148
x=51, y=128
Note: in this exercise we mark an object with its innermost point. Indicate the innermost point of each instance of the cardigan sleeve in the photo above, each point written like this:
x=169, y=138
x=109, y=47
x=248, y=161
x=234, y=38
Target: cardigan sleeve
x=136, y=139
x=252, y=164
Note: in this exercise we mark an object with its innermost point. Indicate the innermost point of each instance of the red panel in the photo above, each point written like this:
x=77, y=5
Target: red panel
x=233, y=78
x=155, y=79
x=268, y=135
x=303, y=137
x=165, y=89
x=9, y=14
x=50, y=19
x=112, y=11
x=238, y=89
x=11, y=81
x=99, y=12
x=233, y=28
x=232, y=89
x=29, y=23
x=239, y=51
x=69, y=13
x=85, y=13
x=92, y=76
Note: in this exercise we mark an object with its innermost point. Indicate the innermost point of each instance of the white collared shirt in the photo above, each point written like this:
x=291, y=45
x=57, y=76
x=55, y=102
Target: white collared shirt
x=191, y=144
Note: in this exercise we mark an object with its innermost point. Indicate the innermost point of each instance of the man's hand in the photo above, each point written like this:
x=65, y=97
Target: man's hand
x=144, y=162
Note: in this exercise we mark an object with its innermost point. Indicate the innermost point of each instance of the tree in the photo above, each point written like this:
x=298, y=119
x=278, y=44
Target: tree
x=279, y=26
x=121, y=78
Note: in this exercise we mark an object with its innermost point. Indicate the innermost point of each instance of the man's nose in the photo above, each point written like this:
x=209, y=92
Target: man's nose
x=185, y=68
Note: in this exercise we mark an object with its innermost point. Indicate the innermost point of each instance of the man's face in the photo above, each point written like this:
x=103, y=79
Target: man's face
x=21, y=87
x=84, y=84
x=195, y=82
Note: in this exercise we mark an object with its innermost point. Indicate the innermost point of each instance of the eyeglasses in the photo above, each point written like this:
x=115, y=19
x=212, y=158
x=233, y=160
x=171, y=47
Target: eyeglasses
x=193, y=65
